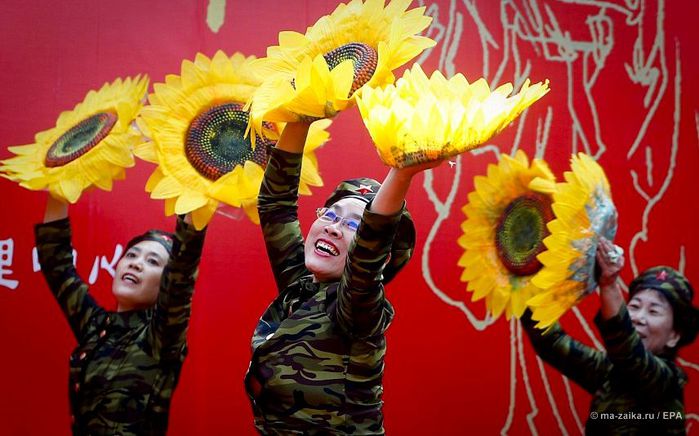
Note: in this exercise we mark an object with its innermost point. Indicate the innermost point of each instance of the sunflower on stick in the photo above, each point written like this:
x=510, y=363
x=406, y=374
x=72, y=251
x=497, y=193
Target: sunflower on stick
x=196, y=123
x=504, y=233
x=584, y=212
x=90, y=145
x=318, y=74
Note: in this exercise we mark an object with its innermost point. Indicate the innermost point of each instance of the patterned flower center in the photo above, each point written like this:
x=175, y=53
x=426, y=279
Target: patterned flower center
x=365, y=60
x=521, y=231
x=216, y=141
x=80, y=139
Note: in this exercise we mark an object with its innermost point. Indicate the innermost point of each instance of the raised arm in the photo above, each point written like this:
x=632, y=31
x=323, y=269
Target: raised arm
x=362, y=309
x=649, y=373
x=53, y=242
x=174, y=303
x=277, y=206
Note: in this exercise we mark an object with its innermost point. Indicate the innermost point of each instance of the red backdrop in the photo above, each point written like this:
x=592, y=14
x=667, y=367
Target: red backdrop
x=623, y=79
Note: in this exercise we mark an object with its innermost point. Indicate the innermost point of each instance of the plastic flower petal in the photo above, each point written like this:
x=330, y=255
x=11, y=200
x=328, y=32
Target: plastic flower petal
x=422, y=119
x=584, y=212
x=504, y=232
x=197, y=125
x=319, y=73
x=90, y=145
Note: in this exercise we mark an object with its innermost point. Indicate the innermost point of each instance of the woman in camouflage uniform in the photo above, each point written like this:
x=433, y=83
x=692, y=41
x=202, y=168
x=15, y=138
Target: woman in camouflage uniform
x=637, y=386
x=318, y=350
x=127, y=363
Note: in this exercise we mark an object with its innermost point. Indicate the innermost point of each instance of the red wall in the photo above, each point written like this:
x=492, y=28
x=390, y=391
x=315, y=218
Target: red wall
x=623, y=88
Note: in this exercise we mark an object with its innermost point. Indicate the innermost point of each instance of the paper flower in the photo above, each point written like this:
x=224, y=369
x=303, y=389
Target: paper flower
x=90, y=145
x=584, y=212
x=504, y=232
x=424, y=119
x=197, y=124
x=317, y=74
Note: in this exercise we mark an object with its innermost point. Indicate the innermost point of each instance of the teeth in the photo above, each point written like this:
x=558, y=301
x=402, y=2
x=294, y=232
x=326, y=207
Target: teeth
x=324, y=246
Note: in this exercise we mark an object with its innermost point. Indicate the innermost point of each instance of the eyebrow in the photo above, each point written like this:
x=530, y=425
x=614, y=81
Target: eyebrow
x=150, y=253
x=154, y=254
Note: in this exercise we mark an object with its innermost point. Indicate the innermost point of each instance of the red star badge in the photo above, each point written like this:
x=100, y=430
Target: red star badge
x=661, y=275
x=363, y=189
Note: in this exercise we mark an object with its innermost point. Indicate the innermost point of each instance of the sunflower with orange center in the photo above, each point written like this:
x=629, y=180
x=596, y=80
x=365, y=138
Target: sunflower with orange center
x=584, y=212
x=197, y=124
x=504, y=232
x=90, y=145
x=317, y=74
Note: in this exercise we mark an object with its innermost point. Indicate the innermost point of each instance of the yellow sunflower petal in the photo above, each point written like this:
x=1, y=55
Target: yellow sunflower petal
x=250, y=208
x=202, y=215
x=167, y=187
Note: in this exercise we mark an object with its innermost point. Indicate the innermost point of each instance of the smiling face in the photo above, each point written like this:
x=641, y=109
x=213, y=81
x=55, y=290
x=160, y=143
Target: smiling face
x=652, y=317
x=138, y=272
x=327, y=243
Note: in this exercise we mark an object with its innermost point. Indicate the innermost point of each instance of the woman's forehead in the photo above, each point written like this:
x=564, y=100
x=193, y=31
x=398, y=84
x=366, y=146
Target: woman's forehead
x=651, y=296
x=350, y=205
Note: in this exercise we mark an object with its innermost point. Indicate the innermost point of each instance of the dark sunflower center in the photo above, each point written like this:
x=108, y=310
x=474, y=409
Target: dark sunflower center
x=521, y=231
x=216, y=141
x=365, y=60
x=80, y=139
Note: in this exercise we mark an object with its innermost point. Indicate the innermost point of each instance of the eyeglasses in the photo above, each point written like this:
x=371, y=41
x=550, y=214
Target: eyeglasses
x=328, y=215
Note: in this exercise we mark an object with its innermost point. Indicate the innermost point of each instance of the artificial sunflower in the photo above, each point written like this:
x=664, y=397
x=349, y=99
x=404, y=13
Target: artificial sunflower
x=504, y=232
x=197, y=124
x=317, y=74
x=89, y=146
x=422, y=119
x=584, y=212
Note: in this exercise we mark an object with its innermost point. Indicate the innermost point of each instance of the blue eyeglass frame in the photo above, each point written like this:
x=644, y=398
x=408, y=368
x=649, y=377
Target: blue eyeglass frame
x=322, y=213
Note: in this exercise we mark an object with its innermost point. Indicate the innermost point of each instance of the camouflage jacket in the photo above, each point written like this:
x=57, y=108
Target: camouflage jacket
x=318, y=350
x=634, y=391
x=126, y=365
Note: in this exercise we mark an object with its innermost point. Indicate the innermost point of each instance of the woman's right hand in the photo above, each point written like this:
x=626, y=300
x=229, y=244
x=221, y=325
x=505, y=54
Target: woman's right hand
x=55, y=209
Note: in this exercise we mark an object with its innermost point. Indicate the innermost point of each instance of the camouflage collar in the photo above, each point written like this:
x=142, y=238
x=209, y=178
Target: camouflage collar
x=129, y=319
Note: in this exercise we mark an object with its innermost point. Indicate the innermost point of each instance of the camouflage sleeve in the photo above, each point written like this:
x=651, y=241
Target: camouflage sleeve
x=362, y=308
x=649, y=373
x=277, y=206
x=584, y=365
x=174, y=303
x=56, y=259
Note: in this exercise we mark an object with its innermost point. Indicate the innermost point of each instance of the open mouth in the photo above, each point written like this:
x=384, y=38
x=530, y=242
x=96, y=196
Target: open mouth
x=130, y=278
x=326, y=248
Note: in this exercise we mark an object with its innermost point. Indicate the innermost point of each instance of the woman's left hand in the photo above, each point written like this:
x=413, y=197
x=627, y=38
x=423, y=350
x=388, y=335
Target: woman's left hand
x=415, y=169
x=610, y=259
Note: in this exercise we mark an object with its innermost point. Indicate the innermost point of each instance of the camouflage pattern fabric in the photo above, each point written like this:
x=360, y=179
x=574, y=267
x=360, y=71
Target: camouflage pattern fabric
x=126, y=365
x=634, y=391
x=318, y=351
